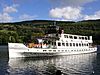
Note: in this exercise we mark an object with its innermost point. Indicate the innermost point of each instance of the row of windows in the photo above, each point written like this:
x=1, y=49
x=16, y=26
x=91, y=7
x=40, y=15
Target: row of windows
x=75, y=37
x=66, y=50
x=72, y=44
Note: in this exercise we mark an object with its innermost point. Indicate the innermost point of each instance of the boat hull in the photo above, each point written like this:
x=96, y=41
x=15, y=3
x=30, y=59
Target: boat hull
x=20, y=50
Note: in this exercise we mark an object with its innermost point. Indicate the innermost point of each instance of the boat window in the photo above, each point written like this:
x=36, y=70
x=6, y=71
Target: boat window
x=62, y=50
x=54, y=50
x=79, y=37
x=83, y=38
x=66, y=44
x=70, y=44
x=59, y=44
x=82, y=44
x=79, y=44
x=50, y=50
x=71, y=50
x=66, y=36
x=73, y=44
x=75, y=37
x=90, y=44
x=76, y=44
x=86, y=38
x=58, y=50
x=63, y=44
x=71, y=37
x=44, y=50
x=54, y=43
x=87, y=44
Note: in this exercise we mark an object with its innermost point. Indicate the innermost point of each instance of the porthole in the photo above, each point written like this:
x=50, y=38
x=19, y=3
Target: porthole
x=62, y=50
x=44, y=50
x=50, y=50
x=58, y=50
x=54, y=50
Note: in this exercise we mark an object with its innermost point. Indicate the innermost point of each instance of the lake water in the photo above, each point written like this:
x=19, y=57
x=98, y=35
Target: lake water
x=83, y=64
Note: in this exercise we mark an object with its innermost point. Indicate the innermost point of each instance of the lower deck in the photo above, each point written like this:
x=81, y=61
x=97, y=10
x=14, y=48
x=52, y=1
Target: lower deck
x=20, y=50
x=35, y=52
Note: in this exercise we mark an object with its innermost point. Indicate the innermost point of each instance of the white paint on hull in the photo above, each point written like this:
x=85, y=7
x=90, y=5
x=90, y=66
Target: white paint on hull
x=20, y=50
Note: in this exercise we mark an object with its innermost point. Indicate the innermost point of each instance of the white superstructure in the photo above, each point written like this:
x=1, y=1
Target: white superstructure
x=54, y=43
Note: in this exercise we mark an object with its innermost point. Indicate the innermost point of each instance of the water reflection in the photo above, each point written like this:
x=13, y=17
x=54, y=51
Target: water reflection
x=3, y=66
x=96, y=65
x=82, y=64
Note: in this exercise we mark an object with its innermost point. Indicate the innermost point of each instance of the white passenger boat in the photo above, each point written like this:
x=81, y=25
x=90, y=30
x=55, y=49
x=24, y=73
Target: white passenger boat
x=54, y=43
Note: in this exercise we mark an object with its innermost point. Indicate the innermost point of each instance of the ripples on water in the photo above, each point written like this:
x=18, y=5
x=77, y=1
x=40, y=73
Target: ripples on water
x=83, y=64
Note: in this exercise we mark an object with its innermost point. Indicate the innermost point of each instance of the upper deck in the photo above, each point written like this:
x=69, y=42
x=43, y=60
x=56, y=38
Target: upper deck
x=75, y=38
x=57, y=33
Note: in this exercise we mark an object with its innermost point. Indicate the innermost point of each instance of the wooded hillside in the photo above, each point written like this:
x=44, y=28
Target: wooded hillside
x=26, y=31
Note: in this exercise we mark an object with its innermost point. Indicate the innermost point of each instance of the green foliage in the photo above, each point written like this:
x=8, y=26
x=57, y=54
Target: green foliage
x=27, y=31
